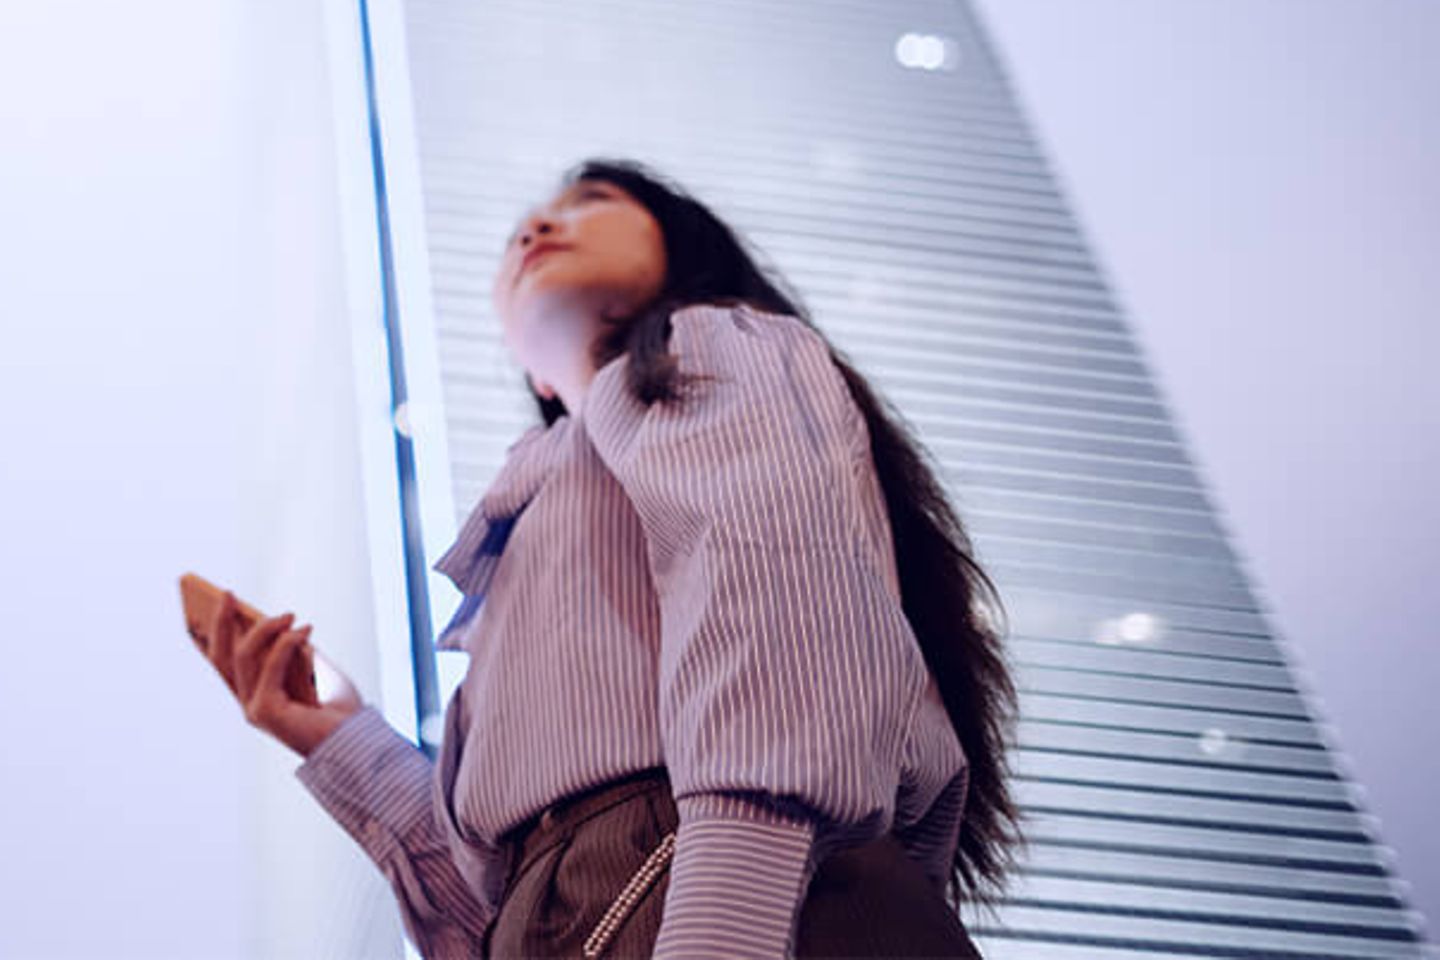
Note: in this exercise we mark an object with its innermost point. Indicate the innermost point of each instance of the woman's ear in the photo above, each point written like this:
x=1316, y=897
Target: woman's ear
x=544, y=389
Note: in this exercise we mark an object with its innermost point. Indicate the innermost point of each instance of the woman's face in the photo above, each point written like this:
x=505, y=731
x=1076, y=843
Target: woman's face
x=609, y=262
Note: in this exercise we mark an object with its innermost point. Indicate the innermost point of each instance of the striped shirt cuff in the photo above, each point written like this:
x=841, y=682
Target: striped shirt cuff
x=374, y=782
x=379, y=786
x=737, y=881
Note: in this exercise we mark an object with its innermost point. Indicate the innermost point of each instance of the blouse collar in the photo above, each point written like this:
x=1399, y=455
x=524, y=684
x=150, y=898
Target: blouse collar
x=471, y=561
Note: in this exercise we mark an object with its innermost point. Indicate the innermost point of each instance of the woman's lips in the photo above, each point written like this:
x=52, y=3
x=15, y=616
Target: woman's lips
x=536, y=254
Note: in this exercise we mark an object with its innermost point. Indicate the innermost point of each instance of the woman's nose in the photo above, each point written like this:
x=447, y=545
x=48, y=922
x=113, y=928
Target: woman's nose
x=532, y=232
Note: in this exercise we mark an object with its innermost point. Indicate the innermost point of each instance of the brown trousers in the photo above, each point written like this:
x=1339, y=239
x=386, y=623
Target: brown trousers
x=572, y=862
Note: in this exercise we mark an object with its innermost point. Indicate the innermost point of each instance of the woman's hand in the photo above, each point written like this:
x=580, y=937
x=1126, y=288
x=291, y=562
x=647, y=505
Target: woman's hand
x=270, y=671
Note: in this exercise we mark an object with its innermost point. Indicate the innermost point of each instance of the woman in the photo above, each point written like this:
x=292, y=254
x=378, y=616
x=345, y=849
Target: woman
x=735, y=692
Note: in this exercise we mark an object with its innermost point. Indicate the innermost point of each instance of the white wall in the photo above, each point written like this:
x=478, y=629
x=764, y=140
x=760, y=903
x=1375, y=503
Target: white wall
x=176, y=387
x=1259, y=180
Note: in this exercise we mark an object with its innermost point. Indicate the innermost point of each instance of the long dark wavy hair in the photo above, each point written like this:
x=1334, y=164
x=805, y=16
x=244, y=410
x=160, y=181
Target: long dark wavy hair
x=953, y=608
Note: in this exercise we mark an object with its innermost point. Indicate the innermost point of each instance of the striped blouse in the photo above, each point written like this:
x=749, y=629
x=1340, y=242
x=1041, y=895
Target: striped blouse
x=710, y=587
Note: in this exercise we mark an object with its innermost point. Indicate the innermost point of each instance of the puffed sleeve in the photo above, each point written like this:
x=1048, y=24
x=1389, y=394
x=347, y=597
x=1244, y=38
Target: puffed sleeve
x=378, y=786
x=789, y=676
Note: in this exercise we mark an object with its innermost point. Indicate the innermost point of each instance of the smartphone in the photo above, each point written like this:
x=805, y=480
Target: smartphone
x=200, y=599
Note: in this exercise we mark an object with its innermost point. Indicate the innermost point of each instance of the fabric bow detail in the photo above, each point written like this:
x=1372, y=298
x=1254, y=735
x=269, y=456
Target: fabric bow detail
x=472, y=559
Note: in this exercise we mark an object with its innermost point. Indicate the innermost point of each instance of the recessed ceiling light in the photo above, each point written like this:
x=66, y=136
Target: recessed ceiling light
x=925, y=51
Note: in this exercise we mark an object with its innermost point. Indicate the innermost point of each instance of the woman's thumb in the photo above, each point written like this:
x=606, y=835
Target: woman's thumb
x=272, y=674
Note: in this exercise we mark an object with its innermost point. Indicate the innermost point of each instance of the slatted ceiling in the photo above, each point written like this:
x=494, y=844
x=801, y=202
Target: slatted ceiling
x=1013, y=376
x=1182, y=800
x=971, y=415
x=1090, y=708
x=1078, y=488
x=1140, y=566
x=1155, y=664
x=1058, y=344
x=1215, y=782
x=1059, y=383
x=1140, y=445
x=1001, y=272
x=919, y=353
x=1240, y=939
x=1013, y=949
x=1194, y=690
x=916, y=302
x=995, y=431
x=1206, y=753
x=1167, y=871
x=929, y=324
x=1120, y=585
x=1081, y=830
x=1144, y=658
x=1182, y=693
x=997, y=428
x=1156, y=574
x=1109, y=799
x=956, y=441
x=1000, y=519
x=1242, y=908
x=1166, y=718
x=1075, y=615
x=1038, y=412
x=892, y=234
x=855, y=330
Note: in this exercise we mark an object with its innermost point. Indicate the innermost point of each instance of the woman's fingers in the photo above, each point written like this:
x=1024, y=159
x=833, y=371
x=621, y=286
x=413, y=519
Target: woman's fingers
x=272, y=672
x=299, y=678
x=250, y=652
x=269, y=695
x=220, y=648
